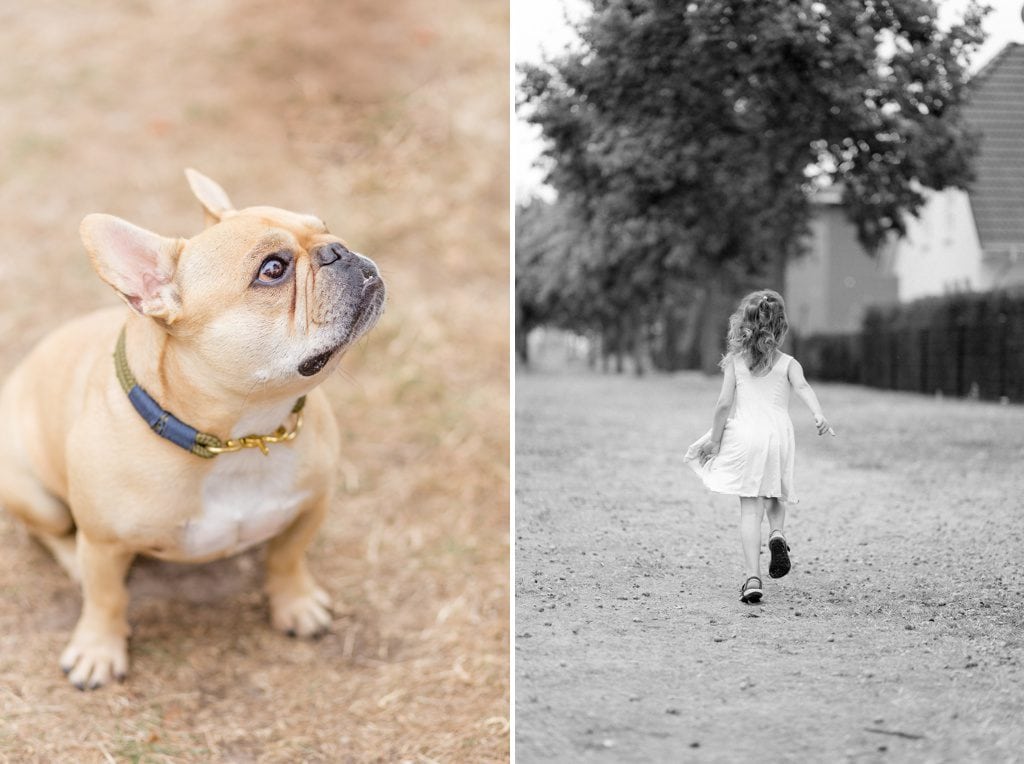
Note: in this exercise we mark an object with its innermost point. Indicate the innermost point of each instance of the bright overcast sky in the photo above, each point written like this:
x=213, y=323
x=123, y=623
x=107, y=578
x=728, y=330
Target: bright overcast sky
x=539, y=27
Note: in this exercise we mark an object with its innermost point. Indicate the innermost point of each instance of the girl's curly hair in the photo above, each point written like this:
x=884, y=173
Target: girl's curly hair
x=757, y=329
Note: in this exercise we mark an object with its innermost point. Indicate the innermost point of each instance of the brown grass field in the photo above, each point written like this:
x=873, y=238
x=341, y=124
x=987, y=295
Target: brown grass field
x=390, y=121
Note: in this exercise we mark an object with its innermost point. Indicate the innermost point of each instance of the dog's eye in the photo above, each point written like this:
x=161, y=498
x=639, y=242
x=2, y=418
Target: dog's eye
x=272, y=270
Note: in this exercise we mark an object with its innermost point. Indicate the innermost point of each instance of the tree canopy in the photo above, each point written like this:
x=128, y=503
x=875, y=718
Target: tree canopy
x=687, y=139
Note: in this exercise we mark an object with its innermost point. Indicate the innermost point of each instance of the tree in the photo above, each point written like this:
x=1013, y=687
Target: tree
x=543, y=257
x=690, y=136
x=580, y=277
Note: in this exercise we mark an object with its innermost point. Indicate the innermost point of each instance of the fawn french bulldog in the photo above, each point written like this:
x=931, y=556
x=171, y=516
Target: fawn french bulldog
x=188, y=427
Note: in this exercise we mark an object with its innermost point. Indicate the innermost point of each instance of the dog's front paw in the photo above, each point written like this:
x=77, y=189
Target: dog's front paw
x=301, y=614
x=92, y=660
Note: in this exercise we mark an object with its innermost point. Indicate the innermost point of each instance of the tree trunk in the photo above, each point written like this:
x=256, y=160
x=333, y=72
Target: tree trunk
x=522, y=346
x=714, y=324
x=521, y=329
x=619, y=342
x=659, y=351
x=606, y=349
x=666, y=355
x=639, y=335
x=687, y=346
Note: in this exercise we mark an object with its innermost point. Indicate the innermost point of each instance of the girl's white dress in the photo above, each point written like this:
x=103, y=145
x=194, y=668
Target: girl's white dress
x=756, y=455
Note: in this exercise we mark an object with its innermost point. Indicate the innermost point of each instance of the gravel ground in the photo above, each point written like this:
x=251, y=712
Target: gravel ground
x=896, y=637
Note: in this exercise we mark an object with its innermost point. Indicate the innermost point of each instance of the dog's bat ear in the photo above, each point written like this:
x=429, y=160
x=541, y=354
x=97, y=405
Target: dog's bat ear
x=214, y=199
x=137, y=263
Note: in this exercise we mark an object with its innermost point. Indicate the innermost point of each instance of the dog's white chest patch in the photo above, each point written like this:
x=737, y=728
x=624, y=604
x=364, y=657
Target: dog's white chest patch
x=247, y=498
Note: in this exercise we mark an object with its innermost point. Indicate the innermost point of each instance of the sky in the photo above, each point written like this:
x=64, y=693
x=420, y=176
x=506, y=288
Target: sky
x=539, y=28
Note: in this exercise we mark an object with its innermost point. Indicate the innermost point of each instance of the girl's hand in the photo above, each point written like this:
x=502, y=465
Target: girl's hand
x=708, y=451
x=823, y=426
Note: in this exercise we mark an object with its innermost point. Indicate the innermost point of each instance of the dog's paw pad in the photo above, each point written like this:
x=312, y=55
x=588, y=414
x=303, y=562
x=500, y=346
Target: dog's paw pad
x=305, y=615
x=91, y=663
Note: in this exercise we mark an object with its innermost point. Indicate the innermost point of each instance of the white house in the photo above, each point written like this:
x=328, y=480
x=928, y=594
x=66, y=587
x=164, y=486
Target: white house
x=962, y=240
x=974, y=240
x=830, y=287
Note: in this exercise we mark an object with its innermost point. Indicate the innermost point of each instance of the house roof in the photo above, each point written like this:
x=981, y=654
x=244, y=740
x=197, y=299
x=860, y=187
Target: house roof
x=996, y=110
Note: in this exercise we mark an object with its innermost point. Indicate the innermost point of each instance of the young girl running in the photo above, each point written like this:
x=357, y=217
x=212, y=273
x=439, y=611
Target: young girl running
x=750, y=454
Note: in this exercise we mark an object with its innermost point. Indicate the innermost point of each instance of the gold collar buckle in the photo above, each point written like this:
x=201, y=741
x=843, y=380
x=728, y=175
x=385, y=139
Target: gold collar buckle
x=281, y=435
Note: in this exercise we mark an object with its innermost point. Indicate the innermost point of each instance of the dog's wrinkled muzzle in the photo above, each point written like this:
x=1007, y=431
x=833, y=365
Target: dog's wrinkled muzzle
x=353, y=300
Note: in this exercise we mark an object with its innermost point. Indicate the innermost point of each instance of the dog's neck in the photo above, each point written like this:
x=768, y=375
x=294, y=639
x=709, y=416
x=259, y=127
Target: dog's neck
x=180, y=385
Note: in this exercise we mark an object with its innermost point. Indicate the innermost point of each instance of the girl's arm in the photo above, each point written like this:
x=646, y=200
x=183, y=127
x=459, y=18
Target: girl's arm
x=803, y=389
x=722, y=408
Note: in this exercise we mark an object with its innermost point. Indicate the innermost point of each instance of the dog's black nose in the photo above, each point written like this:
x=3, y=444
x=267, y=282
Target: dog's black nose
x=368, y=268
x=332, y=253
x=346, y=261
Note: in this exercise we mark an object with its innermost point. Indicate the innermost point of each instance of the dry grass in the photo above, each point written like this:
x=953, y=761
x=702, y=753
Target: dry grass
x=390, y=122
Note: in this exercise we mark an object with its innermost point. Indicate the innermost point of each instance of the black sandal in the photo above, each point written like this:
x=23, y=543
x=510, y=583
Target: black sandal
x=750, y=593
x=779, y=565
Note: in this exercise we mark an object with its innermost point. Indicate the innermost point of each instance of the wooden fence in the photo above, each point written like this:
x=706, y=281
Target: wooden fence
x=961, y=345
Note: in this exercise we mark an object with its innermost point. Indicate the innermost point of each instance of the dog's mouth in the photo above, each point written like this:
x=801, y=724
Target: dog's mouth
x=371, y=305
x=313, y=365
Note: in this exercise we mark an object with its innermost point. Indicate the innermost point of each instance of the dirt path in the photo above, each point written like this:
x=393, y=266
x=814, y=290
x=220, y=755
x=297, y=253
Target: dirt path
x=897, y=636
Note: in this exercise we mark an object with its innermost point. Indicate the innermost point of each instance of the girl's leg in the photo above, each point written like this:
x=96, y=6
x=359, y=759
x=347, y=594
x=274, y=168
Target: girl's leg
x=776, y=512
x=779, y=563
x=751, y=513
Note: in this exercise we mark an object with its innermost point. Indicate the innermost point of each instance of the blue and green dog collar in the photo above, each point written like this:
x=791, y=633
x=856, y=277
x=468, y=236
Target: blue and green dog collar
x=169, y=427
